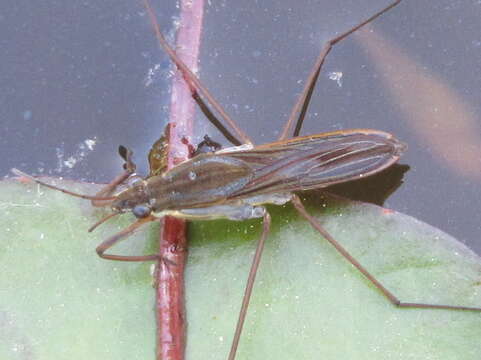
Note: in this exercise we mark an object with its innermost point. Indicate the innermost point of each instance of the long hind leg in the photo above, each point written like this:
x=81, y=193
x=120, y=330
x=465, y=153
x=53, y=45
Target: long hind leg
x=300, y=108
x=250, y=284
x=388, y=294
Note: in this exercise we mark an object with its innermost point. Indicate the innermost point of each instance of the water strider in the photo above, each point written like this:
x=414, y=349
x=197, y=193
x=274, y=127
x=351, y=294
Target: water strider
x=236, y=182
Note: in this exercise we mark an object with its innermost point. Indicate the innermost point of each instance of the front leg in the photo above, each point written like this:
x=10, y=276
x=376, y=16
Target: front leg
x=111, y=241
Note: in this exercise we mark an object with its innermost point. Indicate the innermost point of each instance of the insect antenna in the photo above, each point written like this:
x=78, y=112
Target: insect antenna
x=101, y=221
x=40, y=182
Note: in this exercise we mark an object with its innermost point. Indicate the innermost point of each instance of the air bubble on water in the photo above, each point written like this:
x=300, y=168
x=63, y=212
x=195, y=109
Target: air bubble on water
x=27, y=114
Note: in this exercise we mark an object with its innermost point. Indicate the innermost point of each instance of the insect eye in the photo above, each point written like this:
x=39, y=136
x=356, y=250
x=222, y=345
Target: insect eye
x=141, y=211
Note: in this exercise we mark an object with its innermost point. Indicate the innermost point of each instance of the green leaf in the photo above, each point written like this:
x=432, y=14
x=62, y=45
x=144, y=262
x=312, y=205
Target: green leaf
x=59, y=300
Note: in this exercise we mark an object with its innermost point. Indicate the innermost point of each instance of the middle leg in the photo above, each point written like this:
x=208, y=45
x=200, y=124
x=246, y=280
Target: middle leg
x=388, y=294
x=250, y=284
x=300, y=108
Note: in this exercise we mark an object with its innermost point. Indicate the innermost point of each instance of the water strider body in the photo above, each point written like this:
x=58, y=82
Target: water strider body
x=234, y=183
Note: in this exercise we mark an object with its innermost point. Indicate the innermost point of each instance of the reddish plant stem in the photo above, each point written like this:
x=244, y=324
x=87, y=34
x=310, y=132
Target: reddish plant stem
x=170, y=307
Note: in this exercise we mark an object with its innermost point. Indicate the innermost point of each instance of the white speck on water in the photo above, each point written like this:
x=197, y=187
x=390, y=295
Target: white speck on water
x=192, y=175
x=90, y=143
x=151, y=73
x=70, y=162
x=83, y=149
x=336, y=76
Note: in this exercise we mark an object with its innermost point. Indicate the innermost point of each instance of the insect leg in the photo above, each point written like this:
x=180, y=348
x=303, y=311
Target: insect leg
x=389, y=295
x=111, y=241
x=50, y=186
x=193, y=82
x=214, y=121
x=300, y=108
x=250, y=284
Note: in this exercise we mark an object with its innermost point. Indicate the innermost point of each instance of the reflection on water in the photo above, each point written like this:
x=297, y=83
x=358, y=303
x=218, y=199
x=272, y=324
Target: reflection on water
x=433, y=110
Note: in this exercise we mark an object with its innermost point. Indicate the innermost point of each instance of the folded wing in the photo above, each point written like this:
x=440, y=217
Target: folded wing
x=316, y=161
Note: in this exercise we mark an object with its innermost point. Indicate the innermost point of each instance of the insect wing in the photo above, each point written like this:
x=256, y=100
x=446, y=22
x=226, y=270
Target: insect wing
x=317, y=161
